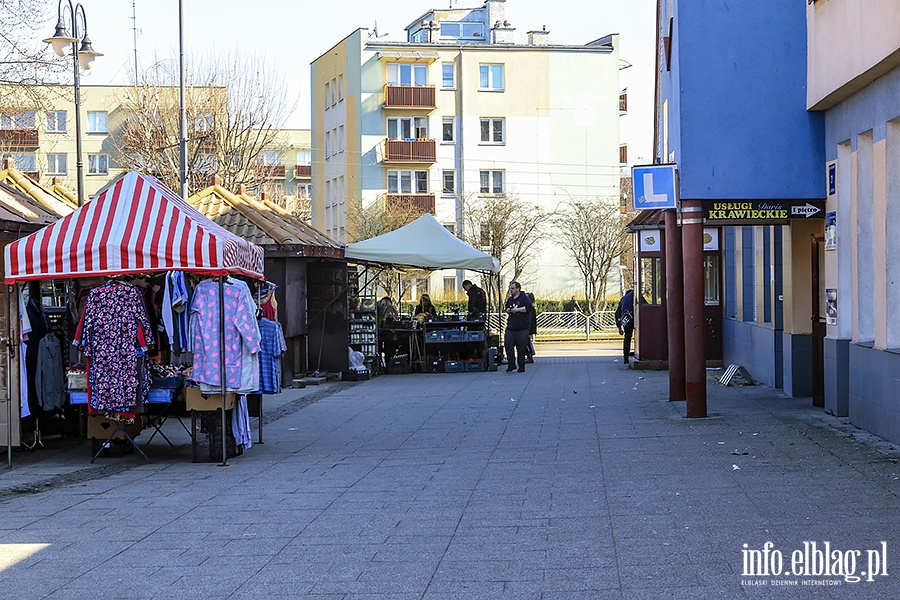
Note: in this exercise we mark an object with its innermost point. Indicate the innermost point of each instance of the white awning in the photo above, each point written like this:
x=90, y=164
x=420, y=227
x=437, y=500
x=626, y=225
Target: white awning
x=415, y=55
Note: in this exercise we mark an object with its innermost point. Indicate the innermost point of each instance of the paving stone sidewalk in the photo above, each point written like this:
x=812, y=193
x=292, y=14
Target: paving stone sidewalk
x=576, y=479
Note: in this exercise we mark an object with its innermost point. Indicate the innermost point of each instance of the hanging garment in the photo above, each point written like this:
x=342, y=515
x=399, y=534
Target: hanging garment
x=49, y=380
x=272, y=348
x=115, y=332
x=32, y=345
x=269, y=306
x=241, y=330
x=240, y=424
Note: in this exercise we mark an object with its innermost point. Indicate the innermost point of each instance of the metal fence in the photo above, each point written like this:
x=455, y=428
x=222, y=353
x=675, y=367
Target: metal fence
x=565, y=325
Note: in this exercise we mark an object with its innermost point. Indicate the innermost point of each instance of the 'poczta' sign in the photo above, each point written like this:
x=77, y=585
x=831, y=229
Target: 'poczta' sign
x=761, y=212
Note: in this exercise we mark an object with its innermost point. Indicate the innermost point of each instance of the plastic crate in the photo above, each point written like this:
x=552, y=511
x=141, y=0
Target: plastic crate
x=454, y=366
x=160, y=396
x=475, y=366
x=359, y=375
x=434, y=336
x=475, y=336
x=453, y=335
x=78, y=397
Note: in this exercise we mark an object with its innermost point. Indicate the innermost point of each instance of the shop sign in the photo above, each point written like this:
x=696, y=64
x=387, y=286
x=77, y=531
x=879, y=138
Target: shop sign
x=761, y=212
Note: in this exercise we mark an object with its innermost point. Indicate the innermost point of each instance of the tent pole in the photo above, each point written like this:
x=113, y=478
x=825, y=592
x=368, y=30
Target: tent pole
x=9, y=410
x=222, y=363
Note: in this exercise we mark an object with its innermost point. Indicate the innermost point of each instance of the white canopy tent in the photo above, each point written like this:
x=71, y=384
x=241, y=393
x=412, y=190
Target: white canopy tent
x=422, y=244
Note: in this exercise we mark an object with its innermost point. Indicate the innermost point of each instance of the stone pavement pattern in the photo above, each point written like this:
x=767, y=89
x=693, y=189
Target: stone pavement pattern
x=576, y=479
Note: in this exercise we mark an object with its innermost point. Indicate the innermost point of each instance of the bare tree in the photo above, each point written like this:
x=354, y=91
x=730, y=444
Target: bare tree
x=593, y=234
x=25, y=61
x=233, y=111
x=508, y=229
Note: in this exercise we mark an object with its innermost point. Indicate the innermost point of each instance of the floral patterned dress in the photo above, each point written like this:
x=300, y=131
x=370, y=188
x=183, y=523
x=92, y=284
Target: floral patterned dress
x=241, y=330
x=114, y=333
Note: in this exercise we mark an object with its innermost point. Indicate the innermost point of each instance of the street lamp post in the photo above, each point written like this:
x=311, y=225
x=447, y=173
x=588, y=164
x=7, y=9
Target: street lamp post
x=72, y=35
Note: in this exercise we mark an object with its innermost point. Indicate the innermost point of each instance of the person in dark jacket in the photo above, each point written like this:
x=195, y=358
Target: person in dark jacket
x=532, y=329
x=425, y=307
x=477, y=300
x=625, y=322
x=518, y=324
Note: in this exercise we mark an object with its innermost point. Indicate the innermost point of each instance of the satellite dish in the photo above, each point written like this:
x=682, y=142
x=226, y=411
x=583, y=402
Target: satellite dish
x=375, y=33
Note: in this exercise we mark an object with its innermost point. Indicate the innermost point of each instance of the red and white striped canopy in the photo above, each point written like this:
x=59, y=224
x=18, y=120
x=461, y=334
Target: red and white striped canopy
x=134, y=225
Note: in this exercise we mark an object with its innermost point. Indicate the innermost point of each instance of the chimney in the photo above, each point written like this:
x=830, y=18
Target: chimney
x=539, y=38
x=503, y=33
x=9, y=163
x=242, y=189
x=217, y=180
x=264, y=196
x=56, y=181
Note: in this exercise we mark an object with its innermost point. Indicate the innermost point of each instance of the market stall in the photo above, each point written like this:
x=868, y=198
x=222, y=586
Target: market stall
x=426, y=244
x=136, y=225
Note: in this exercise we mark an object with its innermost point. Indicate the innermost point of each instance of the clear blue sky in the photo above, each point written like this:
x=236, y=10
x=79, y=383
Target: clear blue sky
x=292, y=33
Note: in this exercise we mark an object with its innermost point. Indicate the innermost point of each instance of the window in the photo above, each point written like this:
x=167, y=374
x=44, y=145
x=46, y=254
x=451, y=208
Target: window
x=492, y=131
x=98, y=164
x=407, y=128
x=202, y=123
x=97, y=122
x=304, y=157
x=333, y=92
x=447, y=129
x=451, y=227
x=340, y=138
x=327, y=95
x=17, y=120
x=472, y=30
x=406, y=74
x=623, y=101
x=449, y=182
x=448, y=76
x=57, y=164
x=490, y=77
x=651, y=281
x=419, y=36
x=711, y=280
x=25, y=161
x=407, y=182
x=623, y=154
x=484, y=236
x=56, y=121
x=327, y=144
x=270, y=157
x=206, y=163
x=340, y=87
x=449, y=286
x=491, y=182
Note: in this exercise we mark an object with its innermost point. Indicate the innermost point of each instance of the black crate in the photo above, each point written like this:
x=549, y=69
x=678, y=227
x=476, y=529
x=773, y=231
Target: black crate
x=362, y=375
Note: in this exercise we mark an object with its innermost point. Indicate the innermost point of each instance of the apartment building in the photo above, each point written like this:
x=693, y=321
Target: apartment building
x=37, y=131
x=461, y=111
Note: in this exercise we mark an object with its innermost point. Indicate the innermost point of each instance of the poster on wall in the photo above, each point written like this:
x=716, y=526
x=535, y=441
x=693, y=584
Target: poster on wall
x=650, y=241
x=831, y=231
x=831, y=306
x=710, y=239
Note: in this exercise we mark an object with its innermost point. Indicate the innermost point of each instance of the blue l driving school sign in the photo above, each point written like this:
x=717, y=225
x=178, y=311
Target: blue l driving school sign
x=655, y=187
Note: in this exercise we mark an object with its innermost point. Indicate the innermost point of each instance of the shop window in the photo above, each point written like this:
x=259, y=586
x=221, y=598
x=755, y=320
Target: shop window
x=651, y=281
x=711, y=280
x=449, y=286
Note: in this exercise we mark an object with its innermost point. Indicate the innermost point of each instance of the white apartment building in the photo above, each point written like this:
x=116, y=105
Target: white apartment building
x=460, y=111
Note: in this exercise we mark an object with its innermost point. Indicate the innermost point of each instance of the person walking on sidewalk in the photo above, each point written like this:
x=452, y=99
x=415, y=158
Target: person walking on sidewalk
x=625, y=322
x=518, y=307
x=532, y=329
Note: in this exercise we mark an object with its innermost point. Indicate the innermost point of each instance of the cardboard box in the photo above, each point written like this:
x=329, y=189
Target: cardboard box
x=194, y=400
x=100, y=428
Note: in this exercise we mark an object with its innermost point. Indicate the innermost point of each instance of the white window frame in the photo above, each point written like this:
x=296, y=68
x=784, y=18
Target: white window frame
x=452, y=122
x=491, y=137
x=53, y=121
x=327, y=95
x=417, y=127
x=488, y=73
x=22, y=120
x=491, y=176
x=95, y=124
x=53, y=166
x=411, y=74
x=407, y=182
x=448, y=175
x=444, y=67
x=464, y=30
x=340, y=87
x=25, y=161
x=98, y=164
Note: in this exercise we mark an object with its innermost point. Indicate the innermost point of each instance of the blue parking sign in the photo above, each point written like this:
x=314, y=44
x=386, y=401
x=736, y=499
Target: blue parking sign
x=654, y=187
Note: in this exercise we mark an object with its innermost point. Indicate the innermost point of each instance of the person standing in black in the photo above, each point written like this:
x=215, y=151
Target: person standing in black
x=477, y=300
x=625, y=322
x=518, y=307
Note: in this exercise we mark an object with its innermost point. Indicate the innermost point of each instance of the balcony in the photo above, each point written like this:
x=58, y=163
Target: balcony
x=414, y=203
x=271, y=171
x=137, y=137
x=19, y=138
x=409, y=151
x=408, y=96
x=303, y=172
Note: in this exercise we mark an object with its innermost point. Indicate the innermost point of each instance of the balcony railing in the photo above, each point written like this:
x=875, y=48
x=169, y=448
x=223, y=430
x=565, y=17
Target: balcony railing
x=417, y=203
x=19, y=138
x=409, y=151
x=303, y=171
x=271, y=171
x=408, y=96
